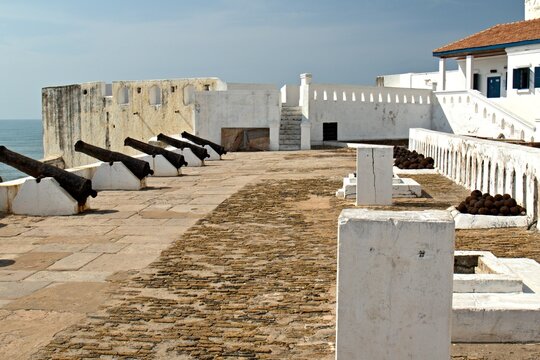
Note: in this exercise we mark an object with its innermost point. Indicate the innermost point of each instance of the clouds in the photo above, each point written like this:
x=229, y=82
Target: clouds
x=60, y=41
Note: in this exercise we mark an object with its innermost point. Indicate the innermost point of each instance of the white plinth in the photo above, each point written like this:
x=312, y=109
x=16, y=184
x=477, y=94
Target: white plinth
x=373, y=174
x=468, y=221
x=116, y=177
x=213, y=154
x=46, y=198
x=189, y=156
x=394, y=287
x=160, y=165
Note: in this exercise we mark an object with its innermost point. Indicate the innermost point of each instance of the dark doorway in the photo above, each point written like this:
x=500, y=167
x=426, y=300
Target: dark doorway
x=245, y=139
x=329, y=131
x=494, y=87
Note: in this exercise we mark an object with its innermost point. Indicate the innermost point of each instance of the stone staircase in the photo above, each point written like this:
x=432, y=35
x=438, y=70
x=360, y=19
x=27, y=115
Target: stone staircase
x=289, y=128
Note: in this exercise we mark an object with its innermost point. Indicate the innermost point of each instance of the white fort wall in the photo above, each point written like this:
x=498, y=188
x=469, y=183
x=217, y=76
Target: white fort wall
x=215, y=110
x=364, y=112
x=485, y=165
x=139, y=109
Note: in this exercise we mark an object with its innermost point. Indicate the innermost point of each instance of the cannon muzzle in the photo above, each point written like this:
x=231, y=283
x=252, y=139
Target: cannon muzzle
x=200, y=152
x=78, y=187
x=139, y=168
x=200, y=141
x=175, y=159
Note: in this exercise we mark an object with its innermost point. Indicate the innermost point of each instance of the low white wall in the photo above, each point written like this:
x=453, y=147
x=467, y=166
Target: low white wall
x=215, y=110
x=485, y=165
x=249, y=86
x=366, y=112
x=471, y=113
x=290, y=95
x=455, y=80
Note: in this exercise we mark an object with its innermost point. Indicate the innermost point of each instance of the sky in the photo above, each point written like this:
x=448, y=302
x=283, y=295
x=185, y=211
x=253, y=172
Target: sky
x=57, y=42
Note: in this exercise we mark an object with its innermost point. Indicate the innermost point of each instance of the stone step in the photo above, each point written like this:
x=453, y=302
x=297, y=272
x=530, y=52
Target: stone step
x=289, y=138
x=291, y=121
x=292, y=118
x=289, y=147
x=289, y=142
x=297, y=113
x=289, y=130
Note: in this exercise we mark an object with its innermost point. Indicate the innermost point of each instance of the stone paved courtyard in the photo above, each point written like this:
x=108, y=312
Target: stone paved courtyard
x=247, y=266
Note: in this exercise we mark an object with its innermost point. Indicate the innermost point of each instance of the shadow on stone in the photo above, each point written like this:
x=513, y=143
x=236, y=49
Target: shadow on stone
x=153, y=188
x=6, y=262
x=99, y=212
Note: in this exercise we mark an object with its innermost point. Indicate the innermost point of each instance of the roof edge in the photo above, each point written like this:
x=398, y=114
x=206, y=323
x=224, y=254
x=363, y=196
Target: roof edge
x=484, y=48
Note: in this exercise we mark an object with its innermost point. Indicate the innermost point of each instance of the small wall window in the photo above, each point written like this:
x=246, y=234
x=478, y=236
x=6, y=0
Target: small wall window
x=476, y=82
x=537, y=77
x=521, y=78
x=155, y=95
x=123, y=95
x=330, y=131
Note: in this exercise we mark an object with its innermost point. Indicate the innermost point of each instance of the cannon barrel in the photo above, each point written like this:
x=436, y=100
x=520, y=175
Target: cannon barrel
x=139, y=168
x=176, y=160
x=200, y=152
x=78, y=187
x=200, y=141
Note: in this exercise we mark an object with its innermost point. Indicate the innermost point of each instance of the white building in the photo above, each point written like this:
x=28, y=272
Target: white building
x=498, y=79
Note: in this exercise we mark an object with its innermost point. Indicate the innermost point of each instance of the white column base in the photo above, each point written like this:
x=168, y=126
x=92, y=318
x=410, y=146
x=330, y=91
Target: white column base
x=46, y=198
x=116, y=177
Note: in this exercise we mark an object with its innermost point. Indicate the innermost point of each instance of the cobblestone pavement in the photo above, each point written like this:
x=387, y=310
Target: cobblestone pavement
x=254, y=278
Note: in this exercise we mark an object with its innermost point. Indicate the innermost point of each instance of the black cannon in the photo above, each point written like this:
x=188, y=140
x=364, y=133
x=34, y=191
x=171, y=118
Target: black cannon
x=78, y=187
x=175, y=159
x=200, y=141
x=139, y=168
x=199, y=152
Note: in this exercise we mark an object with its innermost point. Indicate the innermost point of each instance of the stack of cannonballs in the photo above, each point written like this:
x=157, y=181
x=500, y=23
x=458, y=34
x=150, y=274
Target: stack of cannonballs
x=405, y=159
x=485, y=204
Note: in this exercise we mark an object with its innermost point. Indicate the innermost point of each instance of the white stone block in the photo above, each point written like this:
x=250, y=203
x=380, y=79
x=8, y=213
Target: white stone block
x=373, y=174
x=116, y=176
x=496, y=318
x=213, y=154
x=44, y=198
x=160, y=165
x=189, y=156
x=468, y=221
x=394, y=286
x=406, y=187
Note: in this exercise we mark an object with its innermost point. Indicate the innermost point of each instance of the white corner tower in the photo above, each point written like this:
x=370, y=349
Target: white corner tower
x=532, y=9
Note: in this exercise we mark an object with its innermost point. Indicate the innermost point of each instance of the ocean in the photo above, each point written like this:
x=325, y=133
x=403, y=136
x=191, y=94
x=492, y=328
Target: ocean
x=24, y=137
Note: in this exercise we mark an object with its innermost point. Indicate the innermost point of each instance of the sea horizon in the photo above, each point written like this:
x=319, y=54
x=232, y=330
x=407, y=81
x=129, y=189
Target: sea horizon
x=24, y=136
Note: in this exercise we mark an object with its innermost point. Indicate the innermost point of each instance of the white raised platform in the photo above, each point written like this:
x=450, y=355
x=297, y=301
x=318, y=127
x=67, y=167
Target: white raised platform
x=109, y=177
x=27, y=196
x=414, y=171
x=160, y=165
x=502, y=303
x=468, y=221
x=401, y=188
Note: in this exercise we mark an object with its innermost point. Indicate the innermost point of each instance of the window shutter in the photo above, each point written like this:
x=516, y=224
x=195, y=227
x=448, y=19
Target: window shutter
x=537, y=77
x=516, y=79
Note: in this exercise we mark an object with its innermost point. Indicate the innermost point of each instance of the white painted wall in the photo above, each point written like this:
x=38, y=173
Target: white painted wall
x=394, y=285
x=484, y=67
x=488, y=166
x=290, y=95
x=455, y=80
x=470, y=113
x=532, y=9
x=246, y=86
x=237, y=109
x=365, y=112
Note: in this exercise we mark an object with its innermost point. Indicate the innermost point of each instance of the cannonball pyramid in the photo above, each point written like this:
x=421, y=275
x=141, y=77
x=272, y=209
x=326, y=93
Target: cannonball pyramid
x=485, y=204
x=405, y=159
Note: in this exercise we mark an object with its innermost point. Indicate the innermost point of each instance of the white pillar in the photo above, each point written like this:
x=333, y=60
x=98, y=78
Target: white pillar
x=305, y=126
x=394, y=285
x=469, y=72
x=442, y=75
x=373, y=174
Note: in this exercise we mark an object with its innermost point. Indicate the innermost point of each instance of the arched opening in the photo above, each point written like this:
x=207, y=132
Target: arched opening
x=525, y=184
x=513, y=185
x=155, y=95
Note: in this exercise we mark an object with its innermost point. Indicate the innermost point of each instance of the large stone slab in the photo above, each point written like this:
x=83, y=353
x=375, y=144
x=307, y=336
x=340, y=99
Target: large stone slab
x=394, y=287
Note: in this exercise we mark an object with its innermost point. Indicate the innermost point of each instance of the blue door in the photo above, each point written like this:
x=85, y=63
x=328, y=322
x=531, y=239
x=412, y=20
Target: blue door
x=494, y=87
